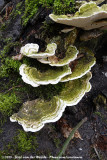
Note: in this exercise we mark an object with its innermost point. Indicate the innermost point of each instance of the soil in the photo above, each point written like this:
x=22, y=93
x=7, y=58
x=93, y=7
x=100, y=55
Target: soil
x=93, y=132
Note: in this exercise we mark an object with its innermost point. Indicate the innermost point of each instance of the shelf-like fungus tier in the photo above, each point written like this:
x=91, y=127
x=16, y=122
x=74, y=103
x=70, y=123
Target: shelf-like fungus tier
x=88, y=17
x=35, y=77
x=70, y=55
x=31, y=50
x=34, y=114
x=81, y=65
x=73, y=70
x=74, y=90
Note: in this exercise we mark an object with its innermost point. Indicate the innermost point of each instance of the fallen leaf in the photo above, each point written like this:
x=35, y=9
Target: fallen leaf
x=66, y=129
x=102, y=143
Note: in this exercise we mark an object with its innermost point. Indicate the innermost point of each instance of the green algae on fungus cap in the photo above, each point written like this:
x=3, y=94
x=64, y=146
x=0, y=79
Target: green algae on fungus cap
x=74, y=90
x=31, y=50
x=35, y=77
x=70, y=55
x=88, y=17
x=81, y=66
x=34, y=114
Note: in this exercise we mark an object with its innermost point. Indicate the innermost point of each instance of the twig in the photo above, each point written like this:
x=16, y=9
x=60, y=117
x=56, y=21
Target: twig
x=18, y=57
x=13, y=88
x=96, y=152
x=70, y=137
x=5, y=7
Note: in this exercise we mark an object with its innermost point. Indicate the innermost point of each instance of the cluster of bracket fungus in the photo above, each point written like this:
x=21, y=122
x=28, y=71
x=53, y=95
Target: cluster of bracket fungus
x=34, y=114
x=89, y=16
x=73, y=70
x=55, y=61
x=31, y=50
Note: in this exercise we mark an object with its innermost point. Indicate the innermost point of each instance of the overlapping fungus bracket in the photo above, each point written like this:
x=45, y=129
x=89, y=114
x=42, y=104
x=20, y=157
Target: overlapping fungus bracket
x=89, y=16
x=33, y=115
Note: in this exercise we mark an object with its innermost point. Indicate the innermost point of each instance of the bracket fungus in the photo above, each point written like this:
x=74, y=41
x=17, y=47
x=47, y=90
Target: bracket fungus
x=44, y=60
x=35, y=77
x=31, y=50
x=82, y=65
x=67, y=64
x=34, y=114
x=75, y=90
x=70, y=55
x=89, y=16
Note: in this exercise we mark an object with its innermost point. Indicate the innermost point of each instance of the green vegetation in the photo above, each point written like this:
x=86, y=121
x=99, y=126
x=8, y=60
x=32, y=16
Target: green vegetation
x=7, y=103
x=18, y=10
x=1, y=130
x=57, y=142
x=9, y=100
x=98, y=114
x=46, y=3
x=13, y=91
x=63, y=6
x=47, y=92
x=25, y=141
x=8, y=66
x=31, y=8
x=58, y=7
x=2, y=27
x=7, y=48
x=100, y=99
x=10, y=69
